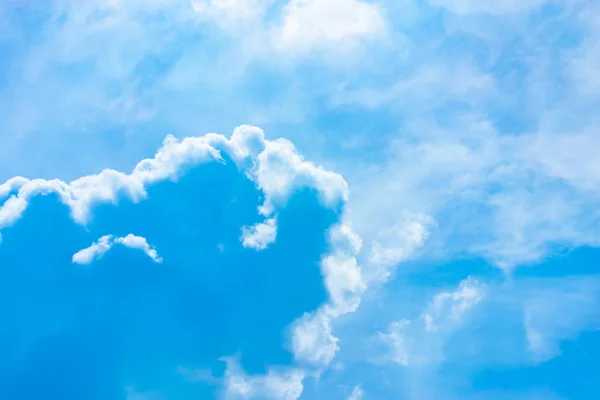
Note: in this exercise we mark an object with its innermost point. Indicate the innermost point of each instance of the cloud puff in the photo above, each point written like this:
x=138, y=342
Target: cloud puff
x=211, y=298
x=259, y=236
x=104, y=244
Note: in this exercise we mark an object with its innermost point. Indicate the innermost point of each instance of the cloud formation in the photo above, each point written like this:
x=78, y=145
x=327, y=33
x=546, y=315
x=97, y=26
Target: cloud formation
x=104, y=244
x=193, y=243
x=466, y=130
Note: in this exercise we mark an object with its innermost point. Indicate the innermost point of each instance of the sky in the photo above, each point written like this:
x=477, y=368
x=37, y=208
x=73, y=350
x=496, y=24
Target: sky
x=299, y=199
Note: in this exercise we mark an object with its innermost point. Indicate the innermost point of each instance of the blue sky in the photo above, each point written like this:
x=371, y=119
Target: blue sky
x=400, y=200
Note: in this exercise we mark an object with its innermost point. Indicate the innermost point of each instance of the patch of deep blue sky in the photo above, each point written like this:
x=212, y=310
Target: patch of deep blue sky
x=73, y=332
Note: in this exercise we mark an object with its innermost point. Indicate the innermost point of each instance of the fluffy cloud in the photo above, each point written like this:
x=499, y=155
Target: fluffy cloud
x=278, y=172
x=282, y=177
x=313, y=341
x=104, y=244
x=478, y=117
x=259, y=236
x=96, y=250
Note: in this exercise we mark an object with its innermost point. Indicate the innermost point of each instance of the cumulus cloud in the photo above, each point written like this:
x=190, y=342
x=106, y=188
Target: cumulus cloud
x=279, y=170
x=11, y=185
x=96, y=250
x=313, y=341
x=259, y=236
x=279, y=173
x=105, y=243
x=140, y=243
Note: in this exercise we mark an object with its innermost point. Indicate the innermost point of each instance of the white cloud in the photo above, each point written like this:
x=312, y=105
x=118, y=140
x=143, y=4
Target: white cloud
x=11, y=185
x=448, y=308
x=395, y=338
x=523, y=322
x=261, y=235
x=507, y=198
x=510, y=198
x=312, y=339
x=421, y=341
x=274, y=165
x=284, y=384
x=581, y=64
x=357, y=394
x=330, y=24
x=105, y=243
x=397, y=243
x=140, y=243
x=95, y=251
x=568, y=156
x=279, y=171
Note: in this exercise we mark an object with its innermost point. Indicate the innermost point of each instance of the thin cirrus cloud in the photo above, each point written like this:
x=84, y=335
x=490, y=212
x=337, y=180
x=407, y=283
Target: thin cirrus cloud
x=407, y=340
